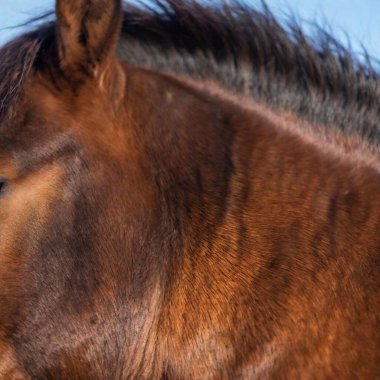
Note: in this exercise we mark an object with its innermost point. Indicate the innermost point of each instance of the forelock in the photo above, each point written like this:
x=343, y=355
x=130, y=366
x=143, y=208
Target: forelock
x=16, y=62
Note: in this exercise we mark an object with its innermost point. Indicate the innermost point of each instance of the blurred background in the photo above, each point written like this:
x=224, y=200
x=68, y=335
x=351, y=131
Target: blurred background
x=354, y=22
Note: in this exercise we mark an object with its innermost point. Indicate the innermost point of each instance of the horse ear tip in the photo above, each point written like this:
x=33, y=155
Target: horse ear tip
x=87, y=33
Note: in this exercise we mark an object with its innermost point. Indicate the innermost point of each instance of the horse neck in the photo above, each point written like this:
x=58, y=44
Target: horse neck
x=238, y=192
x=313, y=193
x=226, y=168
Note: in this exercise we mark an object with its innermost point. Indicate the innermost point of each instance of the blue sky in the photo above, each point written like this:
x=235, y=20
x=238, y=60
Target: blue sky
x=360, y=19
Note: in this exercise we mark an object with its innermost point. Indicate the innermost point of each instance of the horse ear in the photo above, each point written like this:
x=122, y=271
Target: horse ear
x=87, y=33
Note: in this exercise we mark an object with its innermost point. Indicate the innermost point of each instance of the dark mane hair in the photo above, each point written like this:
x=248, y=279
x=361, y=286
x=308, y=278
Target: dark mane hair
x=16, y=60
x=243, y=49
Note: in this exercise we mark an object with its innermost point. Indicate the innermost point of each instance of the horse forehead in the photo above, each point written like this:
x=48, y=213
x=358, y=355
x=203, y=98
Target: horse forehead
x=83, y=115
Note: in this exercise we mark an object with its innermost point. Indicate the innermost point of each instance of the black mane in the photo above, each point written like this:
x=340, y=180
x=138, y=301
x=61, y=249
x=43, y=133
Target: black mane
x=246, y=50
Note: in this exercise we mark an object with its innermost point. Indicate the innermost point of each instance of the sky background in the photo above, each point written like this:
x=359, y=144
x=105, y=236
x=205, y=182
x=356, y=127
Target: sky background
x=358, y=19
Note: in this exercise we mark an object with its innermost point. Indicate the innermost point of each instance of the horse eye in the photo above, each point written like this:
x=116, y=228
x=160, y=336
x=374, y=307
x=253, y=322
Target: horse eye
x=3, y=186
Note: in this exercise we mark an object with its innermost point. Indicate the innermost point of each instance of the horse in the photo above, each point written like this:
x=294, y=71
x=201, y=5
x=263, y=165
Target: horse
x=187, y=191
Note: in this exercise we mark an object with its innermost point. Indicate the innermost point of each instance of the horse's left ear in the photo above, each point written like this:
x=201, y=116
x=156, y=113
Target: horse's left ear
x=87, y=33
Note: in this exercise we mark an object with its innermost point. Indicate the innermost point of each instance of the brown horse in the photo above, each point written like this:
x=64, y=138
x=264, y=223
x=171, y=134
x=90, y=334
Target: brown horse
x=205, y=204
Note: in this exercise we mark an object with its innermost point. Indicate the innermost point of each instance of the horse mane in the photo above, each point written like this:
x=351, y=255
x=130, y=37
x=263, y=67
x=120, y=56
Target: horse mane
x=244, y=49
x=16, y=61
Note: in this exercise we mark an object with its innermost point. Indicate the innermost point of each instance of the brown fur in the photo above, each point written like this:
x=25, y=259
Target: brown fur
x=158, y=228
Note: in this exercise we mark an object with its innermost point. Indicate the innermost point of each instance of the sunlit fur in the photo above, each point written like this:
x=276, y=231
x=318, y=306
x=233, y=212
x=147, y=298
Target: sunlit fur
x=179, y=210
